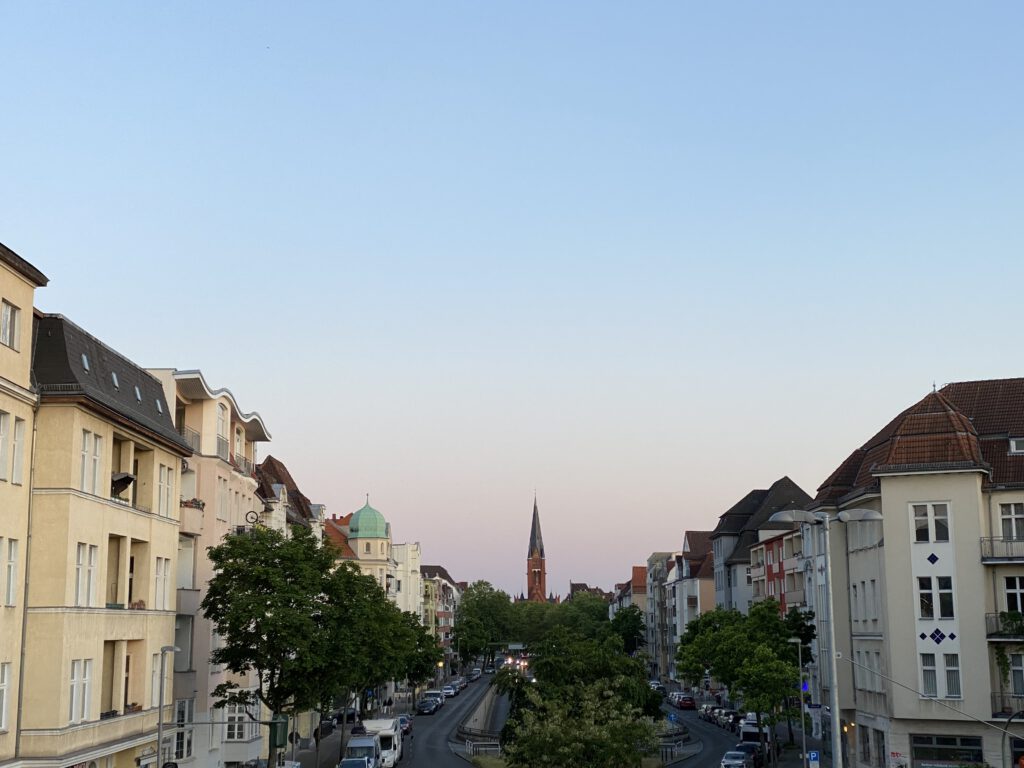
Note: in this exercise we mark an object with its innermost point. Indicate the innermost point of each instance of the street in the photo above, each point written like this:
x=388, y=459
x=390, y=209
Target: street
x=428, y=746
x=717, y=741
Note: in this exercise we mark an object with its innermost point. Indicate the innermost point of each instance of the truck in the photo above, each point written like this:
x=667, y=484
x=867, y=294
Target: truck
x=389, y=731
x=367, y=746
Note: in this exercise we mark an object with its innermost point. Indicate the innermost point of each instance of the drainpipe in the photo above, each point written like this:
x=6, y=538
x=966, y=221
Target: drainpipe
x=24, y=596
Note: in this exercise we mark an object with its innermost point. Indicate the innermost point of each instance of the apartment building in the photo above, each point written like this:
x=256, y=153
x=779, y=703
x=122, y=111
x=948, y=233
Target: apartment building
x=656, y=613
x=932, y=592
x=104, y=540
x=632, y=592
x=408, y=586
x=364, y=537
x=777, y=569
x=18, y=401
x=218, y=496
x=441, y=594
x=284, y=505
x=690, y=588
x=739, y=528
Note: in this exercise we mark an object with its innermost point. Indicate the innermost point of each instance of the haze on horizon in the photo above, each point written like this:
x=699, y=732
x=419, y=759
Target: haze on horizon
x=640, y=260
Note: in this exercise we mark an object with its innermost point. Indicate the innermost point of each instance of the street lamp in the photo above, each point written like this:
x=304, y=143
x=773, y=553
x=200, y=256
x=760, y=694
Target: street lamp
x=160, y=711
x=824, y=519
x=803, y=720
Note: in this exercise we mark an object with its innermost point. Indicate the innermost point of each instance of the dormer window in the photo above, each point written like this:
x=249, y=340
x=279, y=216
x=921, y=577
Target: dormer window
x=159, y=406
x=85, y=362
x=138, y=395
x=113, y=376
x=1017, y=445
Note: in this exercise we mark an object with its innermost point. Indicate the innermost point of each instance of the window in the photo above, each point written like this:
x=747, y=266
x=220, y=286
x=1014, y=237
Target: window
x=163, y=580
x=952, y=663
x=878, y=668
x=1012, y=519
x=945, y=597
x=184, y=714
x=927, y=599
x=10, y=322
x=865, y=744
x=85, y=362
x=1016, y=445
x=78, y=703
x=398, y=585
x=85, y=574
x=854, y=605
x=18, y=449
x=928, y=684
x=931, y=522
x=222, y=420
x=950, y=750
x=10, y=572
x=159, y=406
x=874, y=601
x=880, y=752
x=5, y=429
x=222, y=498
x=154, y=682
x=165, y=490
x=138, y=394
x=239, y=444
x=113, y=377
x=366, y=548
x=183, y=640
x=1017, y=674
x=92, y=450
x=238, y=723
x=5, y=689
x=1014, y=593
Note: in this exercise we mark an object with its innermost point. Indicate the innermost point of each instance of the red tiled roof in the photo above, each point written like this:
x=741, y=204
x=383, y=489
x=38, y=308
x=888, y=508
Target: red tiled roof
x=639, y=580
x=339, y=539
x=964, y=425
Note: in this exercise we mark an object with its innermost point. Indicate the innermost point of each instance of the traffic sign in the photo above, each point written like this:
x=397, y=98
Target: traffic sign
x=672, y=717
x=813, y=759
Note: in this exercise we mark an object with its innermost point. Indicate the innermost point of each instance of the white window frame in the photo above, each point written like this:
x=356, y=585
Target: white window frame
x=954, y=683
x=10, y=325
x=83, y=480
x=184, y=714
x=5, y=692
x=79, y=691
x=18, y=451
x=1017, y=445
x=927, y=510
x=154, y=682
x=11, y=572
x=1012, y=514
x=929, y=674
x=5, y=429
x=238, y=725
x=81, y=555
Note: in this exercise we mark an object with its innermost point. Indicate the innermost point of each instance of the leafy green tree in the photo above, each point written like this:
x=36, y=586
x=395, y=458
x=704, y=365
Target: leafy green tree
x=764, y=680
x=629, y=625
x=593, y=729
x=265, y=600
x=483, y=621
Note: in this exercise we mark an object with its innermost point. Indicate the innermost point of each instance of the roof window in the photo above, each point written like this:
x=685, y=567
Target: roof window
x=138, y=395
x=159, y=405
x=1017, y=445
x=113, y=375
x=85, y=362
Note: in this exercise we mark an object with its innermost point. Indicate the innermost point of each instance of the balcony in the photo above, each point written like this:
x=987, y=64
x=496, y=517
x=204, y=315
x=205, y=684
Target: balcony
x=1006, y=626
x=1005, y=704
x=794, y=597
x=757, y=571
x=191, y=516
x=223, y=449
x=242, y=464
x=191, y=437
x=998, y=549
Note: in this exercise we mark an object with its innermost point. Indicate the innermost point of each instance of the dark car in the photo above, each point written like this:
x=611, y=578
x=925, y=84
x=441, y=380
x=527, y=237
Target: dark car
x=427, y=706
x=752, y=749
x=686, y=702
x=406, y=723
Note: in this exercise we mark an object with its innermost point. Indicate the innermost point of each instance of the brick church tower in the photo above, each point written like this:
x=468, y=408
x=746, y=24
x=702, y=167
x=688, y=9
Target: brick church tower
x=536, y=573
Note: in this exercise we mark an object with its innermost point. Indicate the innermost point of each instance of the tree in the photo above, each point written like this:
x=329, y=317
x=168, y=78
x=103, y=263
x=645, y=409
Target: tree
x=764, y=680
x=629, y=625
x=483, y=621
x=265, y=600
x=593, y=729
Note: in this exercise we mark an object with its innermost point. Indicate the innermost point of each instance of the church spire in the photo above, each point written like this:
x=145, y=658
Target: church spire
x=536, y=540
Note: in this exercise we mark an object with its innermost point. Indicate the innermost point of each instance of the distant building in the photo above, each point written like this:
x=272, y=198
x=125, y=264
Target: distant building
x=689, y=588
x=580, y=588
x=632, y=592
x=441, y=595
x=364, y=537
x=536, y=567
x=284, y=505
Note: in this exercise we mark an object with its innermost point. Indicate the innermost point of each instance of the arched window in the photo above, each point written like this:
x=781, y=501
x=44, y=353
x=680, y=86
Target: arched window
x=222, y=420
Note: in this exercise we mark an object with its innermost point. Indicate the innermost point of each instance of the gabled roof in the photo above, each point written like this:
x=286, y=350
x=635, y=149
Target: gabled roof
x=751, y=513
x=70, y=363
x=699, y=543
x=436, y=572
x=271, y=472
x=963, y=426
x=339, y=538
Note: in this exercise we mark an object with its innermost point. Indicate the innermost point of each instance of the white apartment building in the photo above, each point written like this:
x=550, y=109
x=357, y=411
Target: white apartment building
x=408, y=585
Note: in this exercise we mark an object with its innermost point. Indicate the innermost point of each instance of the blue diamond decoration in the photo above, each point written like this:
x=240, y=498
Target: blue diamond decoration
x=952, y=636
x=933, y=558
x=923, y=636
x=937, y=635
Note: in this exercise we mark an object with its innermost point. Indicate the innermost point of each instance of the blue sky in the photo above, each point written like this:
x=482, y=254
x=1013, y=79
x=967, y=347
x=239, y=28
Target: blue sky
x=640, y=257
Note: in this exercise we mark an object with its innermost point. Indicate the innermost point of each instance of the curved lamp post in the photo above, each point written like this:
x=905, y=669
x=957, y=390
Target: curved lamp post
x=824, y=519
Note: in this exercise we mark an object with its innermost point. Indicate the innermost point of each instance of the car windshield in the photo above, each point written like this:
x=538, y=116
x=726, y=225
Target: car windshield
x=738, y=756
x=385, y=742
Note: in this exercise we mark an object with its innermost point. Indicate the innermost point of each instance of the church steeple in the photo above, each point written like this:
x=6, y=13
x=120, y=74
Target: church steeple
x=536, y=570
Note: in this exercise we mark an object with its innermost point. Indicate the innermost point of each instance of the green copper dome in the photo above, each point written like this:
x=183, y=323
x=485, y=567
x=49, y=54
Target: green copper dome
x=368, y=523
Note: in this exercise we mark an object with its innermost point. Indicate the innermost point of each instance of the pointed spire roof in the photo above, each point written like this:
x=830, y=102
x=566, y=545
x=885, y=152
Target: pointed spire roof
x=536, y=540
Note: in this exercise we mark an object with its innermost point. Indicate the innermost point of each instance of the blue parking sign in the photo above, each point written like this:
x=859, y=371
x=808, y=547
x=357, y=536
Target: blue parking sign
x=672, y=717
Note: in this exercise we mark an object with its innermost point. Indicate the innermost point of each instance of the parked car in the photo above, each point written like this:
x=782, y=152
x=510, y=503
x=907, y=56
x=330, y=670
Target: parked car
x=435, y=694
x=656, y=686
x=754, y=750
x=737, y=759
x=448, y=691
x=475, y=674
x=354, y=762
x=406, y=722
x=686, y=701
x=427, y=706
x=725, y=717
x=489, y=670
x=704, y=712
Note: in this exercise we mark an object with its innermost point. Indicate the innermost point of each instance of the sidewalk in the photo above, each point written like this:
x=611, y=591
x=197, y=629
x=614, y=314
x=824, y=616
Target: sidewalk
x=790, y=755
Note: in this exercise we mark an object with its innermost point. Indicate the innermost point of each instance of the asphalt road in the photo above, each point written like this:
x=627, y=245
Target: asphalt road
x=716, y=741
x=428, y=746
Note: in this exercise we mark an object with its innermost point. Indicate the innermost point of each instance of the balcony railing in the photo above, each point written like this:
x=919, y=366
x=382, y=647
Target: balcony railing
x=191, y=437
x=223, y=450
x=1003, y=550
x=242, y=464
x=1008, y=625
x=1005, y=704
x=794, y=596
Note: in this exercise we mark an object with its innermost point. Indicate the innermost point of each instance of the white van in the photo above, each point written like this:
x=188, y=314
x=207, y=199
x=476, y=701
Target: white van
x=389, y=731
x=367, y=746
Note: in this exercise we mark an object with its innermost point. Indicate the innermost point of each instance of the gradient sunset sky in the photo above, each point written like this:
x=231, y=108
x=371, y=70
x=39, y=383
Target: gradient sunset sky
x=638, y=257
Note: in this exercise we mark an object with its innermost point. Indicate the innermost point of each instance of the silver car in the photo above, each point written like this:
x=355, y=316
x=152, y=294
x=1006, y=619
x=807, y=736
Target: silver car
x=737, y=760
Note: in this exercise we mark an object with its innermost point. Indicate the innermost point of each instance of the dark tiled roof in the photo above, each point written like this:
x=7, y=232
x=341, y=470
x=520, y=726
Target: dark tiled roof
x=707, y=568
x=436, y=572
x=734, y=518
x=272, y=472
x=22, y=267
x=700, y=542
x=965, y=425
x=59, y=372
x=783, y=494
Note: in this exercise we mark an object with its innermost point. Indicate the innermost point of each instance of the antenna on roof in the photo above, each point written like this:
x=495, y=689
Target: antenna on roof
x=367, y=498
x=933, y=385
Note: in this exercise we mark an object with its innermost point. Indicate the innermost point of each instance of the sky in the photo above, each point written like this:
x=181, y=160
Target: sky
x=636, y=258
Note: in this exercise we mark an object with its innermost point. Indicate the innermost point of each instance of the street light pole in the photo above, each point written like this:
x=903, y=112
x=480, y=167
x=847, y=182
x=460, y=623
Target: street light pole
x=160, y=709
x=803, y=720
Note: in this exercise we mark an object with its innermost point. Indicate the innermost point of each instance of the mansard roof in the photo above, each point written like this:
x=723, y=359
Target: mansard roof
x=69, y=363
x=753, y=511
